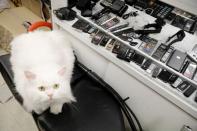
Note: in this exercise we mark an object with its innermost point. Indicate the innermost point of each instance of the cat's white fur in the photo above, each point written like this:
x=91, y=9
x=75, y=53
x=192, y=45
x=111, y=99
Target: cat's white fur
x=43, y=58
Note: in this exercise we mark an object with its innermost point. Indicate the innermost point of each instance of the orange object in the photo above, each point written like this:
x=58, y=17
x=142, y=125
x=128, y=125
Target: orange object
x=38, y=24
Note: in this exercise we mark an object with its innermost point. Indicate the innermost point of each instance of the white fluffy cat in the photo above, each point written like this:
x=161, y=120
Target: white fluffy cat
x=42, y=63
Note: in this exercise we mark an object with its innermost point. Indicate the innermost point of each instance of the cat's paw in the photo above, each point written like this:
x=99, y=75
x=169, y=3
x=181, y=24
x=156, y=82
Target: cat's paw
x=56, y=108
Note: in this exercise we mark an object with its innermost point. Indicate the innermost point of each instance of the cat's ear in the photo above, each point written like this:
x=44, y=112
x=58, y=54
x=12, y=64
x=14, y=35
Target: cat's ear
x=62, y=71
x=29, y=75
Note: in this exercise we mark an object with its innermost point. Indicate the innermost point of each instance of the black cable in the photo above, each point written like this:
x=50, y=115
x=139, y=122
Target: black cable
x=138, y=123
x=125, y=108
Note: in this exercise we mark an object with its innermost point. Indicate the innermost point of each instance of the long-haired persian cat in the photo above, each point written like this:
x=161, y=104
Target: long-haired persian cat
x=42, y=63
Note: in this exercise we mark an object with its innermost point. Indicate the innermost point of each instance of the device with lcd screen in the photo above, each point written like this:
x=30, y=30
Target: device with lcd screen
x=97, y=38
x=138, y=59
x=167, y=54
x=110, y=44
x=104, y=41
x=104, y=18
x=148, y=46
x=160, y=51
x=177, y=82
x=110, y=23
x=189, y=72
x=80, y=24
x=177, y=59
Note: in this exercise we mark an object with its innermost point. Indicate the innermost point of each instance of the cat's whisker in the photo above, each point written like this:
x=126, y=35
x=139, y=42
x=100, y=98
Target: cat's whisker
x=74, y=107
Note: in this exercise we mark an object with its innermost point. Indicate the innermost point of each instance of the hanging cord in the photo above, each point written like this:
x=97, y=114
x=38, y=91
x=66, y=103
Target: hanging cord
x=125, y=108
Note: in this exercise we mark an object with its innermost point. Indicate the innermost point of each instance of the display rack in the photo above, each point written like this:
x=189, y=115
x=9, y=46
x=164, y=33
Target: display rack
x=164, y=89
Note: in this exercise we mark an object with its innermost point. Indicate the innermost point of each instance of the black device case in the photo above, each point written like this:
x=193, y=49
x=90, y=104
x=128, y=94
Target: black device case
x=177, y=59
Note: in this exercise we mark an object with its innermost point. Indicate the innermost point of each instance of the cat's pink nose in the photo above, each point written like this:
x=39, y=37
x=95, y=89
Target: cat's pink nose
x=50, y=95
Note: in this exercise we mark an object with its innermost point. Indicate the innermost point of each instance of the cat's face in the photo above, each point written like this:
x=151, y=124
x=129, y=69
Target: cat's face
x=52, y=86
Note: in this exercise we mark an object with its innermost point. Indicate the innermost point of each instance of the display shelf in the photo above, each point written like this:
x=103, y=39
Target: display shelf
x=169, y=28
x=164, y=89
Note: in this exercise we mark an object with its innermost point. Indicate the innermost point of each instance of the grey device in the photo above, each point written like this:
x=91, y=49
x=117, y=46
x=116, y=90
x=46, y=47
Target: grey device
x=176, y=60
x=167, y=54
x=189, y=72
x=177, y=82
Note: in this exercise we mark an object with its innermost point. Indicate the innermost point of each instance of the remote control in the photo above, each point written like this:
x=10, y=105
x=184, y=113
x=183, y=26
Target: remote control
x=146, y=64
x=167, y=54
x=183, y=86
x=189, y=91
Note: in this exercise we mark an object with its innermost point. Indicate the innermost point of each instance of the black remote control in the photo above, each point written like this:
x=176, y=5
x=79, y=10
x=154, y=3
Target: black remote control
x=183, y=86
x=146, y=64
x=189, y=91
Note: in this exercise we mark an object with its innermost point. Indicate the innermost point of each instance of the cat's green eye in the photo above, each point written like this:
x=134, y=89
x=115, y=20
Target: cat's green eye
x=56, y=86
x=41, y=88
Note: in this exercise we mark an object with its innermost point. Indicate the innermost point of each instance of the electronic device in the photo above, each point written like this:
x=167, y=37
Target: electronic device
x=172, y=78
x=104, y=41
x=138, y=59
x=189, y=72
x=183, y=86
x=65, y=13
x=146, y=64
x=100, y=14
x=189, y=91
x=193, y=54
x=97, y=37
x=167, y=54
x=141, y=4
x=179, y=21
x=151, y=68
x=110, y=23
x=195, y=77
x=90, y=29
x=177, y=59
x=164, y=75
x=115, y=28
x=159, y=52
x=118, y=7
x=177, y=82
x=110, y=44
x=80, y=24
x=106, y=3
x=123, y=31
x=156, y=71
x=117, y=47
x=171, y=16
x=188, y=25
x=148, y=45
x=104, y=18
x=185, y=65
x=130, y=2
x=162, y=10
x=87, y=28
x=194, y=28
x=126, y=53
